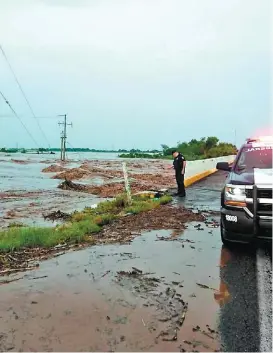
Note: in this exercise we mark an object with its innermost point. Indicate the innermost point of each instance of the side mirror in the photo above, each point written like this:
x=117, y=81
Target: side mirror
x=223, y=166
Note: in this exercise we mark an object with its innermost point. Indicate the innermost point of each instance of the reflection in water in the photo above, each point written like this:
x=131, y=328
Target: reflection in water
x=223, y=295
x=238, y=301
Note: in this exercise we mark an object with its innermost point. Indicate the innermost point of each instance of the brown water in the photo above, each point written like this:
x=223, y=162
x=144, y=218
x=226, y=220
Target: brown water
x=75, y=302
x=26, y=193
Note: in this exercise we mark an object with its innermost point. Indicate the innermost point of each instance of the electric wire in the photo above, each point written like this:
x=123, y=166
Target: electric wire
x=23, y=93
x=78, y=153
x=17, y=116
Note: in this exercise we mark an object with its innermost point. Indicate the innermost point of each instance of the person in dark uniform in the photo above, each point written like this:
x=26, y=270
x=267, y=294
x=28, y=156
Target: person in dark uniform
x=179, y=165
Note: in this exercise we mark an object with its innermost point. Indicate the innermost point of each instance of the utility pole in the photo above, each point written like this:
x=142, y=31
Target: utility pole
x=64, y=137
x=62, y=145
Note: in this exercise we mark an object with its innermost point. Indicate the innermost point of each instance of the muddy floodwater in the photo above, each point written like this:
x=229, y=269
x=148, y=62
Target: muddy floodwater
x=160, y=291
x=147, y=295
x=27, y=192
x=126, y=297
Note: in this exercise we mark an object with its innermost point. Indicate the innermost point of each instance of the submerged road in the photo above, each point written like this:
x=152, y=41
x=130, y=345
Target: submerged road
x=82, y=302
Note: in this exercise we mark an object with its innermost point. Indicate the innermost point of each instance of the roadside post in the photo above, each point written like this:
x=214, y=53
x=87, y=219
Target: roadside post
x=127, y=184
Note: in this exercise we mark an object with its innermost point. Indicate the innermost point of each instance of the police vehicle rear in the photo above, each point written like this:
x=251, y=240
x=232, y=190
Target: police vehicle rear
x=246, y=199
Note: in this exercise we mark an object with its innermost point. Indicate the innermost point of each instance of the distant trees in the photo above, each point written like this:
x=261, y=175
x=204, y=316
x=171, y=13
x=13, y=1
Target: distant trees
x=203, y=148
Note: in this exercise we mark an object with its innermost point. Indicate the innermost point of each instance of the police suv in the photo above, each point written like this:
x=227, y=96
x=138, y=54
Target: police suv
x=246, y=199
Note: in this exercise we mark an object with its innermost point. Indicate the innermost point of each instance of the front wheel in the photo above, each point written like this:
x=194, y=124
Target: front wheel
x=226, y=242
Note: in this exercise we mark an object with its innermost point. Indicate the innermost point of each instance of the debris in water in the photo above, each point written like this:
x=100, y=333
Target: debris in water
x=136, y=269
x=196, y=328
x=173, y=338
x=106, y=273
x=182, y=318
x=53, y=168
x=57, y=215
x=207, y=334
x=9, y=281
x=38, y=277
x=204, y=286
x=69, y=185
x=20, y=161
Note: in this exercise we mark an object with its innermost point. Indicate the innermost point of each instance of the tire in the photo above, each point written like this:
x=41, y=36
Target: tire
x=226, y=242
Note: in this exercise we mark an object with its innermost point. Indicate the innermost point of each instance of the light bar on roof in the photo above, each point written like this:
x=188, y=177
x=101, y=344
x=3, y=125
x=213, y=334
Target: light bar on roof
x=260, y=139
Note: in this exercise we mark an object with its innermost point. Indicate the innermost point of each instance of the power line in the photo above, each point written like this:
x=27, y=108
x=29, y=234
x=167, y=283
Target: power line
x=23, y=93
x=5, y=116
x=17, y=116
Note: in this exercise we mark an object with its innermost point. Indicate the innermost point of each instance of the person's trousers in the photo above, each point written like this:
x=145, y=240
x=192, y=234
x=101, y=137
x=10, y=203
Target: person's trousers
x=180, y=183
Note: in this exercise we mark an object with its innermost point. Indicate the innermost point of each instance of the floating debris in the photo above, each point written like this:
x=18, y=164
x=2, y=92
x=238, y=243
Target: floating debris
x=53, y=168
x=204, y=286
x=57, y=215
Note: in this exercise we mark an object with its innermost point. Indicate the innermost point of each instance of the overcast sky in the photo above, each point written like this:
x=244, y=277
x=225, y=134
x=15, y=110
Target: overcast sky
x=136, y=73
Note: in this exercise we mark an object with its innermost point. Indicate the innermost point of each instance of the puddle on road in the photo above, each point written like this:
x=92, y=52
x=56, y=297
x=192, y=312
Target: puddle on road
x=76, y=302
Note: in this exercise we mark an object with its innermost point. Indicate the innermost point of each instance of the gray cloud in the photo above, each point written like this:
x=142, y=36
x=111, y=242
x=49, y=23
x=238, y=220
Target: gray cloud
x=138, y=72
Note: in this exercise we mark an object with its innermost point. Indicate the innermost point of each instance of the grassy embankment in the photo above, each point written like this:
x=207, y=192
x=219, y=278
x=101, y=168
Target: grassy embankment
x=79, y=229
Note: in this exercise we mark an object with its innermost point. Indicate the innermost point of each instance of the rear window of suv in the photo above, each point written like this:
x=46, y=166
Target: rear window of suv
x=254, y=157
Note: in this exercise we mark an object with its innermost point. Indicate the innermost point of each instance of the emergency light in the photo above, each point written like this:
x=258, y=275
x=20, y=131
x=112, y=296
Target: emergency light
x=260, y=139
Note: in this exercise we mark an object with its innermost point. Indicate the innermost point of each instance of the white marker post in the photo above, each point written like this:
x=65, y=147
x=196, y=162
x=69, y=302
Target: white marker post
x=127, y=184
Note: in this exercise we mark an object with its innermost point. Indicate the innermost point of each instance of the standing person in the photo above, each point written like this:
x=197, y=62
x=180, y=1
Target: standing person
x=179, y=165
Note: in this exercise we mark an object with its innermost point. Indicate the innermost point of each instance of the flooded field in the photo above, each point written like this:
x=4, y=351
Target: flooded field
x=171, y=288
x=28, y=190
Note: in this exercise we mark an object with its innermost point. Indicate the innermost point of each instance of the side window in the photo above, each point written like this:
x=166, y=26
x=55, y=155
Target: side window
x=240, y=161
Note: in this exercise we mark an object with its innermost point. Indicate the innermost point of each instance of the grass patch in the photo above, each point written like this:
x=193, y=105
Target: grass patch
x=165, y=199
x=79, y=229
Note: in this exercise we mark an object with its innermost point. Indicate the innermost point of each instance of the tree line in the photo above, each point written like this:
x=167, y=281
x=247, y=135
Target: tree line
x=206, y=147
x=209, y=147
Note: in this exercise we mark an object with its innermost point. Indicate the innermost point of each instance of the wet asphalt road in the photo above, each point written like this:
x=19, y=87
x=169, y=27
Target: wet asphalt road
x=245, y=318
x=74, y=302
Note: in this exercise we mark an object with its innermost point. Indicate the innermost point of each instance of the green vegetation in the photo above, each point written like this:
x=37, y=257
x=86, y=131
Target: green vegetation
x=209, y=147
x=142, y=155
x=81, y=150
x=80, y=228
x=9, y=150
